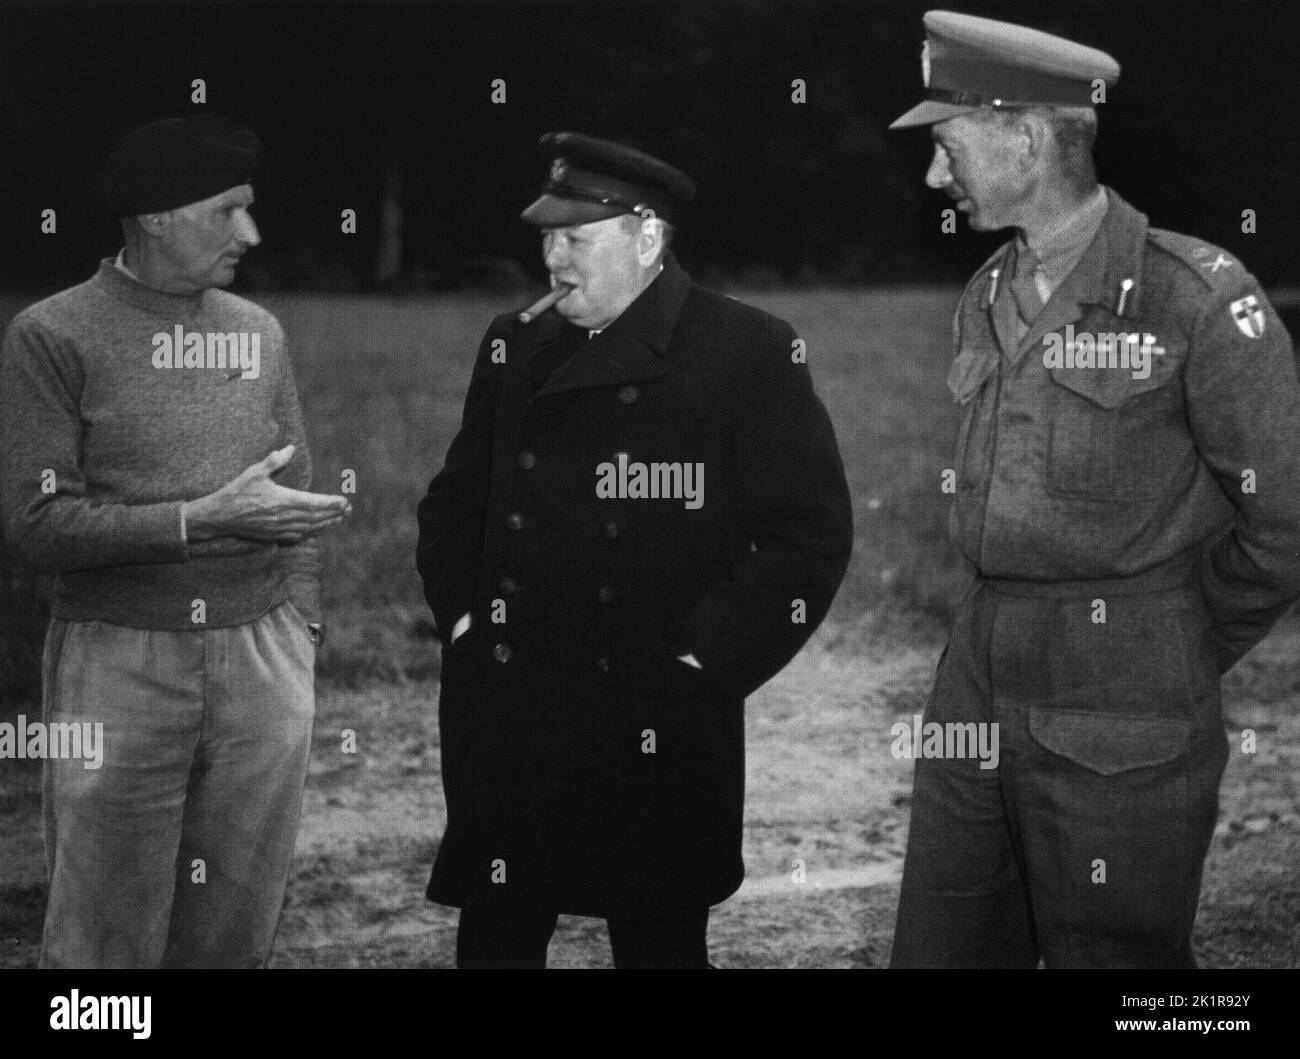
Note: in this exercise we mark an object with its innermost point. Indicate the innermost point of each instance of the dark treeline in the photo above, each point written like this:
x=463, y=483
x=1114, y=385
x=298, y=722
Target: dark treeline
x=387, y=110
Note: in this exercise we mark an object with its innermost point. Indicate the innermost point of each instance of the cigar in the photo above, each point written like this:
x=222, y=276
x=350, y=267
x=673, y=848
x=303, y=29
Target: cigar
x=542, y=304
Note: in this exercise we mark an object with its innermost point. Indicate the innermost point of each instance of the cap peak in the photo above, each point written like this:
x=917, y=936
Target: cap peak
x=969, y=62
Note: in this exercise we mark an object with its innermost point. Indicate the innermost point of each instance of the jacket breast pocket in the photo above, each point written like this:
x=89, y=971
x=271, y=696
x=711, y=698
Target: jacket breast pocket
x=1113, y=394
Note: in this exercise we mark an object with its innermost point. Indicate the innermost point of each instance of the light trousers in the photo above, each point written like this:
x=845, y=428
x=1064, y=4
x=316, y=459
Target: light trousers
x=176, y=850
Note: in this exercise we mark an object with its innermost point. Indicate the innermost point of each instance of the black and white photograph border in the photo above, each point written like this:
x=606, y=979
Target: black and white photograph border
x=398, y=147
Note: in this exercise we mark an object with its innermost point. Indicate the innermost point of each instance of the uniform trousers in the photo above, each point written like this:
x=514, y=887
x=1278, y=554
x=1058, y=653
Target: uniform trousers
x=1084, y=846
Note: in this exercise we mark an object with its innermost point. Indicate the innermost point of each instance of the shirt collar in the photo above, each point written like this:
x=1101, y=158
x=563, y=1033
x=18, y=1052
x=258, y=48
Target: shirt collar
x=119, y=263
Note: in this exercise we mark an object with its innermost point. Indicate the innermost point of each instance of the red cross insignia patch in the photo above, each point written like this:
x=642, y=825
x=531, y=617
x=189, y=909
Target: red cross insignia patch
x=1248, y=316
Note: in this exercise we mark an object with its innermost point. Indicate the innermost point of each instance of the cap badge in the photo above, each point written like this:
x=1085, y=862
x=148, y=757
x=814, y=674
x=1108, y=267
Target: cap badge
x=559, y=170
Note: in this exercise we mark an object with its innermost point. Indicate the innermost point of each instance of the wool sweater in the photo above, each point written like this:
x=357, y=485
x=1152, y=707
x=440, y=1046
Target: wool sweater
x=118, y=402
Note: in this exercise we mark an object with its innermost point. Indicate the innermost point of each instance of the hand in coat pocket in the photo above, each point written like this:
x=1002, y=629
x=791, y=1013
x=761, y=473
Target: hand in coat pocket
x=460, y=628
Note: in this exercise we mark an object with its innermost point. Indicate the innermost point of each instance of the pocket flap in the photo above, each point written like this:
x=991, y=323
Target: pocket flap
x=1110, y=743
x=1135, y=357
x=969, y=371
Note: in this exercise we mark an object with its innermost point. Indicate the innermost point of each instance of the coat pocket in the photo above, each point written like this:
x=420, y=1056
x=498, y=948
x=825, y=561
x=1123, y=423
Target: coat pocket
x=691, y=710
x=1112, y=398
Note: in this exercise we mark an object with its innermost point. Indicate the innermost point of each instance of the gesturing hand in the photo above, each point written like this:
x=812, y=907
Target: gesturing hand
x=251, y=505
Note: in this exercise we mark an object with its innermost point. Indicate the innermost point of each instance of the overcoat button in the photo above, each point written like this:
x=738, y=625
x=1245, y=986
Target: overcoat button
x=515, y=521
x=527, y=460
x=606, y=594
x=629, y=394
x=611, y=530
x=508, y=586
x=501, y=652
x=602, y=664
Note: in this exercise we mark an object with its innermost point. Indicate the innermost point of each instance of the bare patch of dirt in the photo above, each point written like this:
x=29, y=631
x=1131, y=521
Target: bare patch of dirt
x=826, y=827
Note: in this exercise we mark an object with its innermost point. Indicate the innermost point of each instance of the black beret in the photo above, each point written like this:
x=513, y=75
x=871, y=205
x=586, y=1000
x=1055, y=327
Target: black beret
x=174, y=162
x=592, y=180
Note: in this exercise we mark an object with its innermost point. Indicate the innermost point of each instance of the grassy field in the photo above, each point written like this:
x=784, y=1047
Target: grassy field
x=382, y=388
x=381, y=384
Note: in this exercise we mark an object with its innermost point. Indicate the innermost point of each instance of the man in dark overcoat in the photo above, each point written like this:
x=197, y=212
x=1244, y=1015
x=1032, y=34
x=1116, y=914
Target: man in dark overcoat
x=642, y=519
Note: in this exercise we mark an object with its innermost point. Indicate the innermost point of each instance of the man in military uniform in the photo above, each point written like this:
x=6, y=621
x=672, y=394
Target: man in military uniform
x=1128, y=492
x=642, y=519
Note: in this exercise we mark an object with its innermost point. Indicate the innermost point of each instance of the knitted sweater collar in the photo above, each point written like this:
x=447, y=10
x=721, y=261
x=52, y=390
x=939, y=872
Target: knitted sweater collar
x=153, y=301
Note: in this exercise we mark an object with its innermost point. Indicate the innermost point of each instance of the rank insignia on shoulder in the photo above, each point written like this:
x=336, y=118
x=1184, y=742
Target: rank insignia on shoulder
x=1215, y=268
x=1248, y=316
x=1209, y=258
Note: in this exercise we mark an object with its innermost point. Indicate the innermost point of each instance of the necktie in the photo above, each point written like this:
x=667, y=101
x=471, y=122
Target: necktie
x=1023, y=289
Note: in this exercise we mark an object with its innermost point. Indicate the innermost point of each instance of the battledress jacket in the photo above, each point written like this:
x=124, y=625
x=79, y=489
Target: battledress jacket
x=1149, y=419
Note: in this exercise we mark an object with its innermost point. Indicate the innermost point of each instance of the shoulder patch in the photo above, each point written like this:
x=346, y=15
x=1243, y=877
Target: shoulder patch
x=1214, y=265
x=1248, y=315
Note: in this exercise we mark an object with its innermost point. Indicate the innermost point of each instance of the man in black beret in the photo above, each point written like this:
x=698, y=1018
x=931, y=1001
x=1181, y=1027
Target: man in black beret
x=642, y=519
x=152, y=459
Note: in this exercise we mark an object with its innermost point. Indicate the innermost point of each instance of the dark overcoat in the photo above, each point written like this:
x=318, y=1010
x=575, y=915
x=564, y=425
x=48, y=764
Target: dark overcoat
x=587, y=769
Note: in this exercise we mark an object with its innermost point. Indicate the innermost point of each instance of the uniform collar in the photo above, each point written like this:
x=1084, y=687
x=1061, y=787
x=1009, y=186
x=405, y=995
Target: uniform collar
x=1113, y=256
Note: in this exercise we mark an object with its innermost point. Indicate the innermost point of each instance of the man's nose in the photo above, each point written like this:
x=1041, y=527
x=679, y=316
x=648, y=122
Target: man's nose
x=937, y=176
x=247, y=233
x=554, y=255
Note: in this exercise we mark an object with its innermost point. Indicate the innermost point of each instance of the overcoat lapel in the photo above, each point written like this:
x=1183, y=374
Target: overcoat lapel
x=631, y=349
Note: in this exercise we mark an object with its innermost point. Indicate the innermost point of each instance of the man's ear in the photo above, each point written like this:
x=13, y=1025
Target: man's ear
x=155, y=224
x=1032, y=139
x=649, y=241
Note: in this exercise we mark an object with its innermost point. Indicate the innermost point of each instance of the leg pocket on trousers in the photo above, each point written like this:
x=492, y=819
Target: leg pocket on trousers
x=288, y=614
x=1128, y=691
x=1110, y=743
